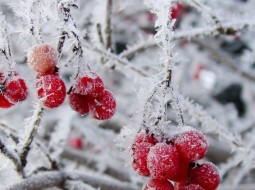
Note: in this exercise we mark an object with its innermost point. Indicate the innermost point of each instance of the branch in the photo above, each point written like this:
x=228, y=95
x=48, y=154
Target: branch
x=227, y=28
x=77, y=185
x=115, y=58
x=34, y=124
x=11, y=155
x=130, y=52
x=52, y=179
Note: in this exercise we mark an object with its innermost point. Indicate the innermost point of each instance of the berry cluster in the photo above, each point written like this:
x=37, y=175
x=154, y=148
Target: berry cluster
x=176, y=159
x=88, y=95
x=13, y=89
x=51, y=89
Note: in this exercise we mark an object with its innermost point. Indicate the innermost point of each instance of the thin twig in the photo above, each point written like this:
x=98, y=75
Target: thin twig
x=108, y=37
x=35, y=122
x=227, y=28
x=11, y=155
x=115, y=58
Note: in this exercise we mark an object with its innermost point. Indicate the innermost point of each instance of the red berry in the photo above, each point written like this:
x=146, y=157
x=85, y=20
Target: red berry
x=182, y=173
x=177, y=11
x=42, y=58
x=4, y=103
x=88, y=84
x=15, y=90
x=76, y=142
x=163, y=161
x=155, y=184
x=104, y=106
x=142, y=136
x=51, y=90
x=140, y=153
x=79, y=103
x=206, y=175
x=191, y=187
x=191, y=145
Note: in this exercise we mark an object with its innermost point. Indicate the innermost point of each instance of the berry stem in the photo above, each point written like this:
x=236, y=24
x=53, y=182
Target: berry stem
x=34, y=124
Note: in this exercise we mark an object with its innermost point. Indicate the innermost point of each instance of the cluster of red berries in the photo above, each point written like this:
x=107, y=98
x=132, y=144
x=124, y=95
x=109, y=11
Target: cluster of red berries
x=13, y=89
x=50, y=87
x=88, y=95
x=176, y=159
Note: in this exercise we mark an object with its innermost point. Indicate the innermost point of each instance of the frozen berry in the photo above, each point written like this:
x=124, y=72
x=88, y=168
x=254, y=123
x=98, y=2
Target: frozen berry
x=177, y=11
x=143, y=136
x=51, y=90
x=15, y=90
x=42, y=58
x=76, y=142
x=104, y=106
x=140, y=153
x=88, y=84
x=206, y=175
x=4, y=103
x=163, y=161
x=183, y=171
x=155, y=184
x=191, y=187
x=191, y=145
x=79, y=103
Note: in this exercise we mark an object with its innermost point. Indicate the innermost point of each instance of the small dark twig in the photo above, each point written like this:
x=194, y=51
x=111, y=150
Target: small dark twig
x=108, y=37
x=99, y=33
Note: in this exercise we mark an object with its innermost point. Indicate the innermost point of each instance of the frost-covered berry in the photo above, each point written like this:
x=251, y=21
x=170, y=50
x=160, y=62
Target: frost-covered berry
x=88, y=84
x=206, y=175
x=4, y=103
x=79, y=103
x=104, y=106
x=140, y=153
x=42, y=58
x=177, y=11
x=191, y=187
x=76, y=142
x=143, y=136
x=163, y=161
x=183, y=171
x=15, y=90
x=51, y=90
x=155, y=184
x=191, y=145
